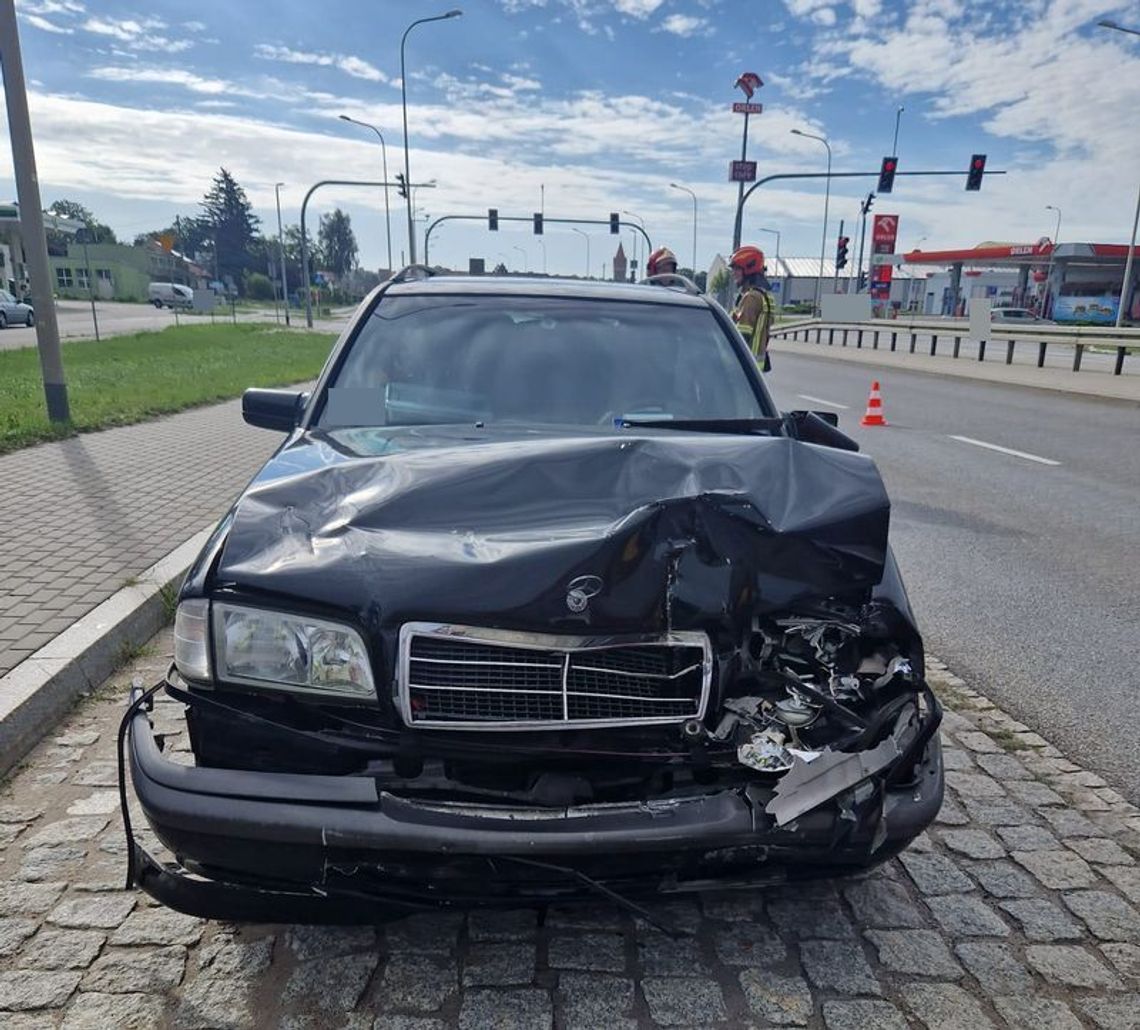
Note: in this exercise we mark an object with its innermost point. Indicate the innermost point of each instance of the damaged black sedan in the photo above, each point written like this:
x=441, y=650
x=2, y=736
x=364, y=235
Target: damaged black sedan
x=540, y=599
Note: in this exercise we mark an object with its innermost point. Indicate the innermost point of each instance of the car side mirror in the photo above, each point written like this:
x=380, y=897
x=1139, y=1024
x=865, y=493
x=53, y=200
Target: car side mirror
x=273, y=409
x=819, y=427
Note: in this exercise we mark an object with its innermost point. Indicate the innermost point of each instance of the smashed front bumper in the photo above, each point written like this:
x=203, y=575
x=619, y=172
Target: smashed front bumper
x=255, y=846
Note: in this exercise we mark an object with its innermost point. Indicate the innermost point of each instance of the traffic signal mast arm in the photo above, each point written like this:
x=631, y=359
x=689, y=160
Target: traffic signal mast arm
x=846, y=175
x=534, y=220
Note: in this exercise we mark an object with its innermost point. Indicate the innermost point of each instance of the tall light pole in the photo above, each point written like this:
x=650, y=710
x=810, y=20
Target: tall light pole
x=586, y=237
x=678, y=186
x=826, y=205
x=526, y=260
x=31, y=216
x=1108, y=23
x=281, y=250
x=404, y=102
x=1049, y=269
x=776, y=233
x=542, y=247
x=641, y=222
x=895, y=144
x=384, y=156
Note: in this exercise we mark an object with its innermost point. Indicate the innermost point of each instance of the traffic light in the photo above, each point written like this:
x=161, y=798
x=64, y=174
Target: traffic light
x=887, y=174
x=865, y=207
x=841, y=252
x=538, y=223
x=615, y=223
x=977, y=170
x=493, y=219
x=402, y=189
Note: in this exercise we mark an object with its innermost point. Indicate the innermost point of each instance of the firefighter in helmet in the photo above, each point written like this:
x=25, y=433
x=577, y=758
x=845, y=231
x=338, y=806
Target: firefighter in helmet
x=753, y=309
x=661, y=262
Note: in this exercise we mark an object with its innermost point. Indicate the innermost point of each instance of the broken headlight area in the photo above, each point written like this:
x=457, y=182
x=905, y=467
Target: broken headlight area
x=815, y=707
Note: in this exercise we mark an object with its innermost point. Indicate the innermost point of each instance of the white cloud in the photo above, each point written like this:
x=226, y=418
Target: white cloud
x=52, y=7
x=194, y=26
x=684, y=24
x=126, y=30
x=41, y=23
x=169, y=77
x=824, y=16
x=637, y=8
x=357, y=67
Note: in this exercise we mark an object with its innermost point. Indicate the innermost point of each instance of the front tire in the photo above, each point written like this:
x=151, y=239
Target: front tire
x=31, y=319
x=157, y=304
x=3, y=320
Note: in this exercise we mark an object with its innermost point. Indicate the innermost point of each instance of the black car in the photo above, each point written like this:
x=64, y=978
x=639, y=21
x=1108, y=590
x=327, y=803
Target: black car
x=540, y=599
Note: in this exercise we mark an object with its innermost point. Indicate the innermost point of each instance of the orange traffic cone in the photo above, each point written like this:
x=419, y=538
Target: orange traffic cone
x=874, y=416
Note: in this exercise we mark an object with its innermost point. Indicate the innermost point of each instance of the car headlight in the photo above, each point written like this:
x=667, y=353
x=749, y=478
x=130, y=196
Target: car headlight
x=290, y=652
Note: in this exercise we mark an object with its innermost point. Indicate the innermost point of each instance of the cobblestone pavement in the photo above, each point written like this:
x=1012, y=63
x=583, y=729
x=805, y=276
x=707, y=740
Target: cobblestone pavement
x=1019, y=908
x=83, y=516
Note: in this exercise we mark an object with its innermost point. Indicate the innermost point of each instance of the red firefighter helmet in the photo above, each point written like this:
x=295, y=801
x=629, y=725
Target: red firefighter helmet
x=749, y=259
x=657, y=258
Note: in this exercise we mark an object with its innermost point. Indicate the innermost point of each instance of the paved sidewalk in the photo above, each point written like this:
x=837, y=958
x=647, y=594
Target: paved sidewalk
x=83, y=516
x=1056, y=375
x=1017, y=909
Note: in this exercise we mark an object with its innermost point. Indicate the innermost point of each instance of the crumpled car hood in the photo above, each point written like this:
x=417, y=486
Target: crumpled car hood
x=488, y=528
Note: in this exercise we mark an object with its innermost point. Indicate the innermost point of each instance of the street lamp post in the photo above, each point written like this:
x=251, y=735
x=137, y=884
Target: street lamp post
x=542, y=247
x=384, y=156
x=1108, y=23
x=586, y=237
x=641, y=222
x=776, y=233
x=281, y=250
x=678, y=186
x=826, y=205
x=895, y=144
x=404, y=103
x=1049, y=269
x=526, y=260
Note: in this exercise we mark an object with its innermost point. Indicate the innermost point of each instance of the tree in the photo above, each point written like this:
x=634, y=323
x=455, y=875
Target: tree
x=337, y=243
x=230, y=226
x=259, y=287
x=191, y=236
x=293, y=268
x=97, y=232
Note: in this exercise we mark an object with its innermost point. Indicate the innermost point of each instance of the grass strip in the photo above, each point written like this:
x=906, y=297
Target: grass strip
x=130, y=379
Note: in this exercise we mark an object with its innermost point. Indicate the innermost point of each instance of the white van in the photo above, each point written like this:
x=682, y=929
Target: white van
x=170, y=295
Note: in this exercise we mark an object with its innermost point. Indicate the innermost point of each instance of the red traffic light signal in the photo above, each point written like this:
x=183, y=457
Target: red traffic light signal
x=977, y=170
x=887, y=174
x=841, y=252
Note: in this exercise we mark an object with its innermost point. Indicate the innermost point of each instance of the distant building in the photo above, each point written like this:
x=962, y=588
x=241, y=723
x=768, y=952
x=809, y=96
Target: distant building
x=621, y=265
x=120, y=272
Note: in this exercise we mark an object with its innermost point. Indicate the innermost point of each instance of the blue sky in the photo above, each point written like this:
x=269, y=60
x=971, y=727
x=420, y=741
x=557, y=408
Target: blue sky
x=602, y=102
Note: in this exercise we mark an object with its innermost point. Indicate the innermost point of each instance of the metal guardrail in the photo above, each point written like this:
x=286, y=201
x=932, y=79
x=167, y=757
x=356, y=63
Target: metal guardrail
x=1078, y=337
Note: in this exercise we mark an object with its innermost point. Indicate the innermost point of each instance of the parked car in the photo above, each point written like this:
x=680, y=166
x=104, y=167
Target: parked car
x=170, y=295
x=1022, y=316
x=541, y=598
x=15, y=312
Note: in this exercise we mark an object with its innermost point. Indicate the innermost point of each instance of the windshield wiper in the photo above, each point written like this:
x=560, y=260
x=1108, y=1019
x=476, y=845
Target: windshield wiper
x=706, y=425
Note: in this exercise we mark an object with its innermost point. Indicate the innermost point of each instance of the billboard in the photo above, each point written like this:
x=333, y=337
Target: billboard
x=1100, y=310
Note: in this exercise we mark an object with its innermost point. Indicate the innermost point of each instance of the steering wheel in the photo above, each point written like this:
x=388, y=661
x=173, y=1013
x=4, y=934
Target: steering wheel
x=638, y=408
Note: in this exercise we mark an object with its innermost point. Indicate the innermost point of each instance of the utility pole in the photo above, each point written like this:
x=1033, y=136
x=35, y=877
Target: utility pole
x=835, y=284
x=31, y=216
x=281, y=251
x=863, y=209
x=1125, y=286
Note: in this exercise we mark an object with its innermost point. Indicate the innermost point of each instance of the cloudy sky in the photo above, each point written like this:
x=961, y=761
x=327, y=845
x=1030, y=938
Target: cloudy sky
x=602, y=102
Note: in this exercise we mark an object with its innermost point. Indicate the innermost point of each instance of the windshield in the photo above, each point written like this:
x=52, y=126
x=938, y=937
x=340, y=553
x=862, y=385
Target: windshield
x=558, y=361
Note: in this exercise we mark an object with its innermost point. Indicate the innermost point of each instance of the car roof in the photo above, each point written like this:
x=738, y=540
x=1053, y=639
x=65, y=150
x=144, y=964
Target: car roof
x=520, y=286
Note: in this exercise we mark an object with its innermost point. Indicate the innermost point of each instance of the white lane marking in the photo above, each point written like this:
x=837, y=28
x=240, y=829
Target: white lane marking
x=820, y=400
x=1005, y=450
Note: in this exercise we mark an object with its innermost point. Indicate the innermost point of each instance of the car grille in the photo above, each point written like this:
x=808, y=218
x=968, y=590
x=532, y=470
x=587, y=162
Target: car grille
x=460, y=677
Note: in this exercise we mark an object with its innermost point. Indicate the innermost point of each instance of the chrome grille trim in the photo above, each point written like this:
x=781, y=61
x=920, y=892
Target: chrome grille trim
x=554, y=675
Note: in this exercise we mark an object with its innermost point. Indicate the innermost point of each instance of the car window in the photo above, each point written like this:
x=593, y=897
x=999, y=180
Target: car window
x=550, y=360
x=6, y=297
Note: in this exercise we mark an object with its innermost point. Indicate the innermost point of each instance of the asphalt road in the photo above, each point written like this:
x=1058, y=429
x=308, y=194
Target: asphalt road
x=1024, y=574
x=117, y=319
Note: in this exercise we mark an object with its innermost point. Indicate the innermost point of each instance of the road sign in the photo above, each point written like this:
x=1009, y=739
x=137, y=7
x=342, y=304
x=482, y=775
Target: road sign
x=885, y=233
x=742, y=108
x=742, y=171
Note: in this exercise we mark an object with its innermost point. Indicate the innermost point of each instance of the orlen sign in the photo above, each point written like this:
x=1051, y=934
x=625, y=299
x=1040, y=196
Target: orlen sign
x=884, y=235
